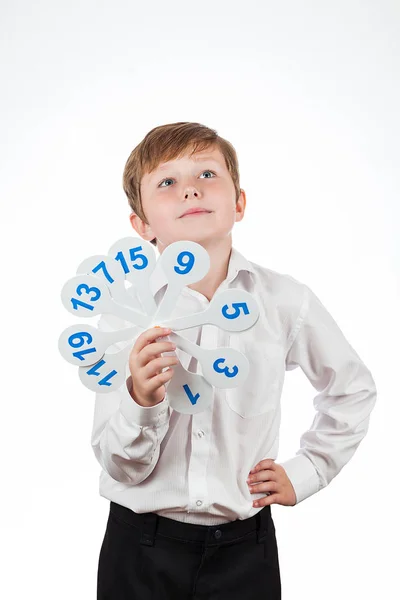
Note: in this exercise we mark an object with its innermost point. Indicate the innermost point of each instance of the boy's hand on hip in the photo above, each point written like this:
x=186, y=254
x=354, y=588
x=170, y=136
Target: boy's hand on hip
x=268, y=476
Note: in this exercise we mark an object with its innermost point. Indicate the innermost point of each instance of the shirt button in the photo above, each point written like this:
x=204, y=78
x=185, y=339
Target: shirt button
x=199, y=502
x=200, y=433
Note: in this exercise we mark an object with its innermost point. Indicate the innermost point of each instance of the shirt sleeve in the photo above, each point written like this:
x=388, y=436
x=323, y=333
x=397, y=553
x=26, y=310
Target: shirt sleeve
x=126, y=437
x=347, y=395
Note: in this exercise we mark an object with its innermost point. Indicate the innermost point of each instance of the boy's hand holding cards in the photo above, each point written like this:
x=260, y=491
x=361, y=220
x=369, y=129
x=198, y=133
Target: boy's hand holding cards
x=146, y=366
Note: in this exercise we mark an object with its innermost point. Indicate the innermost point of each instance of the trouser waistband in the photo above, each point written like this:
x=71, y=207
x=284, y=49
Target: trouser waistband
x=151, y=524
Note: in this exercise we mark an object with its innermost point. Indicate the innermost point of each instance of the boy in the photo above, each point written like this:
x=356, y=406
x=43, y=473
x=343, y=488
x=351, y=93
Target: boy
x=182, y=521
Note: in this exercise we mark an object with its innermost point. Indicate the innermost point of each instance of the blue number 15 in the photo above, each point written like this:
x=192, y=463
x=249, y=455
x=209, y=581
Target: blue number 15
x=134, y=255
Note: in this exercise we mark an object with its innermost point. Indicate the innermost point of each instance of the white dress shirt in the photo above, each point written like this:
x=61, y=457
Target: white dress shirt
x=193, y=468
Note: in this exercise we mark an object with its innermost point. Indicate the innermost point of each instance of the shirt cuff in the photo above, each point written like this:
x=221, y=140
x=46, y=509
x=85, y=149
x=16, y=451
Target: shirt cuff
x=142, y=415
x=303, y=476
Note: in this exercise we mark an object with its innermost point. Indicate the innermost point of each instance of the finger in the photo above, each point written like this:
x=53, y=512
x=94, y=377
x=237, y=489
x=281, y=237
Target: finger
x=269, y=486
x=158, y=380
x=154, y=350
x=155, y=366
x=264, y=475
x=266, y=463
x=149, y=336
x=267, y=500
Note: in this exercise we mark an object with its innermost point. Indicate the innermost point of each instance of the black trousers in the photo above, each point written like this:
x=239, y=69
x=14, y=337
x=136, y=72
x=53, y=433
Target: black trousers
x=148, y=557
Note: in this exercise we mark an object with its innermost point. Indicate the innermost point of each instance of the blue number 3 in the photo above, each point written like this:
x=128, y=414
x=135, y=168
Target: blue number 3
x=237, y=306
x=225, y=370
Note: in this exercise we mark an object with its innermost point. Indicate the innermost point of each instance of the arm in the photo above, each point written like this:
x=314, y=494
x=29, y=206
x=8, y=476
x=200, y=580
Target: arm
x=347, y=395
x=126, y=437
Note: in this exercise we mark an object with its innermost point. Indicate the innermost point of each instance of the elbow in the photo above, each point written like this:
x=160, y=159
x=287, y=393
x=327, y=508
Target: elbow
x=113, y=467
x=125, y=471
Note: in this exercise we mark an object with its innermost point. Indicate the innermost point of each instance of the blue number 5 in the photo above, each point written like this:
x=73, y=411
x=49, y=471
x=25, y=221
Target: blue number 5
x=237, y=306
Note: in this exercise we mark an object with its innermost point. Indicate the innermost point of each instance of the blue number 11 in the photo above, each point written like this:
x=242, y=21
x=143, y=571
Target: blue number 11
x=105, y=379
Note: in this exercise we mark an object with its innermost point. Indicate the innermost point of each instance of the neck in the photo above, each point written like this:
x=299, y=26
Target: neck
x=219, y=261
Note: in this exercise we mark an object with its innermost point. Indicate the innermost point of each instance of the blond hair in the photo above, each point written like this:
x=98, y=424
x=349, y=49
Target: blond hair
x=167, y=142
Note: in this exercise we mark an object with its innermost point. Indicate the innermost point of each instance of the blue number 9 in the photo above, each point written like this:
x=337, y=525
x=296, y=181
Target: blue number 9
x=187, y=265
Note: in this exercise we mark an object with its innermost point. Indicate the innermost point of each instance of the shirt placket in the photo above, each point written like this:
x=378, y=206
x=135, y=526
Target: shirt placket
x=201, y=436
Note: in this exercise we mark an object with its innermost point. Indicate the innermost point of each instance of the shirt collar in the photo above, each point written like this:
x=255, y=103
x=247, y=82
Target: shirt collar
x=237, y=263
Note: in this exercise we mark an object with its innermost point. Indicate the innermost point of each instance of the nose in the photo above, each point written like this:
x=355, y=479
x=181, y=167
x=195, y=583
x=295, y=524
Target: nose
x=190, y=192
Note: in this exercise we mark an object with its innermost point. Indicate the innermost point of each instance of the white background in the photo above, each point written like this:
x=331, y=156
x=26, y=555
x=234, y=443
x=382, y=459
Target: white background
x=308, y=93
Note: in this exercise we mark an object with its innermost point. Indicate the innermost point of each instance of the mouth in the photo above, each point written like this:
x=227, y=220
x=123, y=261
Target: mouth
x=196, y=213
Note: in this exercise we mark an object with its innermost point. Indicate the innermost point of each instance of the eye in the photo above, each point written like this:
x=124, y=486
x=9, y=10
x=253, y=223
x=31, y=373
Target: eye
x=170, y=178
x=208, y=171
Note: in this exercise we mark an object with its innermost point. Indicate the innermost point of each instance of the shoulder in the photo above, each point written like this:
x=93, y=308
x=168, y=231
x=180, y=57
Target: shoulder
x=282, y=288
x=280, y=294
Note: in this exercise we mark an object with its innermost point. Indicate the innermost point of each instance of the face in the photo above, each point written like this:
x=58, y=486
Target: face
x=200, y=181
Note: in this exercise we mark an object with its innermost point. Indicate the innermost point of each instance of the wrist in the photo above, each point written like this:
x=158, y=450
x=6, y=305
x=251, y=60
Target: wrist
x=146, y=404
x=135, y=397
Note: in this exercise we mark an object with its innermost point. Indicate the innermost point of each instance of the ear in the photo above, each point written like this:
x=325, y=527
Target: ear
x=240, y=205
x=142, y=228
